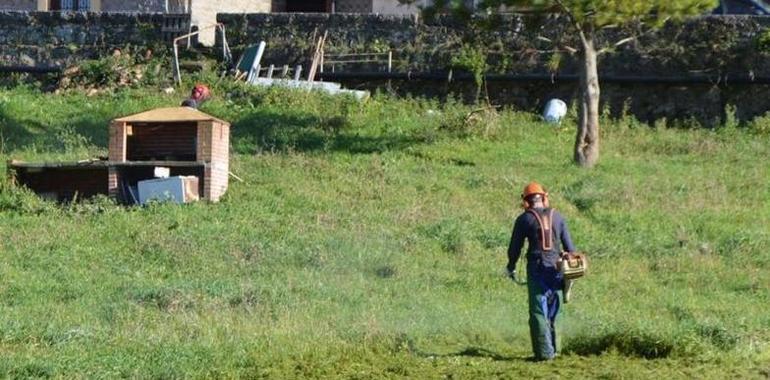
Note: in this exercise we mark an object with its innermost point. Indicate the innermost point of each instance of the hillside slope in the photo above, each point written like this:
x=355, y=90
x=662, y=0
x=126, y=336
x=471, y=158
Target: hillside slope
x=369, y=240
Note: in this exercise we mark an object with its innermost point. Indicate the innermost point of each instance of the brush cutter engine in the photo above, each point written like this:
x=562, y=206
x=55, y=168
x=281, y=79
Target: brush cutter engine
x=573, y=265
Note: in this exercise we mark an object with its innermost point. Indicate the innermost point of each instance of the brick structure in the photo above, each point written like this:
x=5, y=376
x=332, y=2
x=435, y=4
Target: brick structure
x=186, y=140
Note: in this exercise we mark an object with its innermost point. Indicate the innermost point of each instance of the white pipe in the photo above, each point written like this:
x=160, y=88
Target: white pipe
x=177, y=73
x=253, y=71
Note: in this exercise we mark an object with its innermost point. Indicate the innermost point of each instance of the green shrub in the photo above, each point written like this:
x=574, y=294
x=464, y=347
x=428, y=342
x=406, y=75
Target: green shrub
x=760, y=124
x=763, y=42
x=473, y=60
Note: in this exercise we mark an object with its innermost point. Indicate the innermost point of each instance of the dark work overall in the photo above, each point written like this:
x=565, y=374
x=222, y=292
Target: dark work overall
x=544, y=285
x=544, y=229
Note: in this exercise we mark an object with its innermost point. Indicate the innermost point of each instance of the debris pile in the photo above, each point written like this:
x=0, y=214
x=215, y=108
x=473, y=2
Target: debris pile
x=116, y=71
x=250, y=69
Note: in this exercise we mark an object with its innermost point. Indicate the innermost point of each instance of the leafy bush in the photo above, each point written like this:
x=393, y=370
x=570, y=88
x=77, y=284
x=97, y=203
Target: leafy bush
x=122, y=69
x=474, y=60
x=731, y=122
x=761, y=124
x=763, y=42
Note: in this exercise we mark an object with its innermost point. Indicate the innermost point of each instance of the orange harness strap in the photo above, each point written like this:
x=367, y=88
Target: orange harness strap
x=546, y=230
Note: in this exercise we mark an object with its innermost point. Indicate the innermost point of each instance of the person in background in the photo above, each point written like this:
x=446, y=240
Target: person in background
x=544, y=229
x=200, y=93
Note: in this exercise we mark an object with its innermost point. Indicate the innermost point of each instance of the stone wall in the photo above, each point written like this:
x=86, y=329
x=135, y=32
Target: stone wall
x=722, y=48
x=716, y=47
x=725, y=44
x=289, y=35
x=60, y=38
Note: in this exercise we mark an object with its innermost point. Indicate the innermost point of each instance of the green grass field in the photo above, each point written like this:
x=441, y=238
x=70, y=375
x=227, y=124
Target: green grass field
x=368, y=241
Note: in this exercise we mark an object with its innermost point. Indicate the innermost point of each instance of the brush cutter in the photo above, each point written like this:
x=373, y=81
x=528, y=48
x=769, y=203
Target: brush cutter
x=573, y=265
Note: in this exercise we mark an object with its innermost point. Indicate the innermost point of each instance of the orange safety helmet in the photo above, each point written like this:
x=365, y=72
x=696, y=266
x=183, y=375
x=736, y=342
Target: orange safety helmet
x=531, y=189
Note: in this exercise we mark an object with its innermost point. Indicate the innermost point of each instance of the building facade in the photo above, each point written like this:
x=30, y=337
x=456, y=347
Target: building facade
x=203, y=9
x=203, y=13
x=170, y=6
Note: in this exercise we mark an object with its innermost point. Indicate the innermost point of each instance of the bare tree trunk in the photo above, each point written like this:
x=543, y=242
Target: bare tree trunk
x=587, y=139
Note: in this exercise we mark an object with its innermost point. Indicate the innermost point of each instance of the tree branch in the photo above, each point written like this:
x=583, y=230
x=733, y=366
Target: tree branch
x=617, y=44
x=629, y=39
x=574, y=21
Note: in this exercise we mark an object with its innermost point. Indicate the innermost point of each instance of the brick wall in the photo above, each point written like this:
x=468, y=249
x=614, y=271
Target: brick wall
x=220, y=160
x=117, y=152
x=214, y=149
x=117, y=144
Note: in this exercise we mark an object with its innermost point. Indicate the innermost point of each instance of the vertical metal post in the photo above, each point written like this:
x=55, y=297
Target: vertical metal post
x=285, y=71
x=297, y=72
x=390, y=67
x=224, y=42
x=177, y=74
x=270, y=71
x=227, y=55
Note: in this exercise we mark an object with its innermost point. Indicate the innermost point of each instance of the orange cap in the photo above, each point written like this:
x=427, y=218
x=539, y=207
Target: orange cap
x=532, y=188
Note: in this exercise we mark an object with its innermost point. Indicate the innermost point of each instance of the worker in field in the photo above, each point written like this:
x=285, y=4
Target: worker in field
x=546, y=234
x=199, y=94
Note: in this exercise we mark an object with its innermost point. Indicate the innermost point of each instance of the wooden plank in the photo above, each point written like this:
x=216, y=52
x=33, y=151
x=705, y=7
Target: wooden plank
x=317, y=57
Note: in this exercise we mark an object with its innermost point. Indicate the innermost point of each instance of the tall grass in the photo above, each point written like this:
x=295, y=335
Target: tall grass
x=368, y=241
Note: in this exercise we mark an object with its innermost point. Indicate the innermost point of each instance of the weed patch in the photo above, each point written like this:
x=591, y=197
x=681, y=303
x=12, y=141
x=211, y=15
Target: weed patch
x=162, y=298
x=629, y=343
